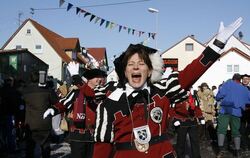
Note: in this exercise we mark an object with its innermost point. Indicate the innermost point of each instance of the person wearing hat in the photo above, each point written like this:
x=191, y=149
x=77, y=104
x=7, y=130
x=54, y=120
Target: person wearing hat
x=245, y=119
x=132, y=120
x=187, y=117
x=80, y=107
x=233, y=97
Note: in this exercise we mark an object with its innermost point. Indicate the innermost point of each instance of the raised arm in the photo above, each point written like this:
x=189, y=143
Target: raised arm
x=193, y=71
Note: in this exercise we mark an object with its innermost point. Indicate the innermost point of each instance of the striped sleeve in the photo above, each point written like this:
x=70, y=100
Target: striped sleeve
x=172, y=88
x=101, y=92
x=69, y=99
x=104, y=124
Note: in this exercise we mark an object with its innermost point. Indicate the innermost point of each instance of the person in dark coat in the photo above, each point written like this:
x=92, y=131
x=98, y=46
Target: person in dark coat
x=245, y=119
x=37, y=99
x=10, y=100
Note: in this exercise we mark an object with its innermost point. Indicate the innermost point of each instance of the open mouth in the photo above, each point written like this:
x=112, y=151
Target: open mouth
x=136, y=77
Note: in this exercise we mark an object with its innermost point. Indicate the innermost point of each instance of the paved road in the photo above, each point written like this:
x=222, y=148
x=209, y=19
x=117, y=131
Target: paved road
x=62, y=150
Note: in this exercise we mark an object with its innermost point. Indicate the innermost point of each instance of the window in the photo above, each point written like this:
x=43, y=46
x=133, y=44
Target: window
x=236, y=68
x=189, y=47
x=233, y=68
x=18, y=47
x=229, y=68
x=38, y=48
x=28, y=31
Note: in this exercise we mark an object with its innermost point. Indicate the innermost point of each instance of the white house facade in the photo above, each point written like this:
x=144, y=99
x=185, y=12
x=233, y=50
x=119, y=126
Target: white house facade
x=184, y=52
x=232, y=61
x=29, y=37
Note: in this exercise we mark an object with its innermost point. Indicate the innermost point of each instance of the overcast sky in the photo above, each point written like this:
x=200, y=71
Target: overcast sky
x=176, y=20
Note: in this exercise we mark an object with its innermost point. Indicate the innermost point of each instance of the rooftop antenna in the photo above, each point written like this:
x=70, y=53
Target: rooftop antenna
x=32, y=11
x=19, y=17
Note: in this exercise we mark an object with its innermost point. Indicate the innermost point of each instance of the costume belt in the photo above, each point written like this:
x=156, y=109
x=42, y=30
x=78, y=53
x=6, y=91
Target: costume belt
x=131, y=145
x=82, y=130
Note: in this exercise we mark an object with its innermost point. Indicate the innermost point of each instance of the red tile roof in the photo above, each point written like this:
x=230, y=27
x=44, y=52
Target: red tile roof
x=99, y=54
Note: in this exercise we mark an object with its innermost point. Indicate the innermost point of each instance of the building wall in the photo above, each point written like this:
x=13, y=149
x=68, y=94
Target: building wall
x=217, y=73
x=112, y=76
x=184, y=57
x=46, y=54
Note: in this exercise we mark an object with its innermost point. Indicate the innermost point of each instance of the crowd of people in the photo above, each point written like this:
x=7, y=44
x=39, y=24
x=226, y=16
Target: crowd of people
x=134, y=116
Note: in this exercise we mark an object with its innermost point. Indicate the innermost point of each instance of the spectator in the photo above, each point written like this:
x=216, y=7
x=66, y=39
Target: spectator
x=233, y=97
x=207, y=105
x=245, y=119
x=187, y=117
x=37, y=100
x=10, y=101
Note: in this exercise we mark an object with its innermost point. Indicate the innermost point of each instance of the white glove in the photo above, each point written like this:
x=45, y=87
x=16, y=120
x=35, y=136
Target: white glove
x=73, y=68
x=177, y=123
x=167, y=72
x=203, y=122
x=49, y=111
x=225, y=33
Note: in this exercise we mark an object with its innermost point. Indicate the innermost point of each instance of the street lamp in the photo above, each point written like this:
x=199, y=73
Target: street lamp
x=155, y=11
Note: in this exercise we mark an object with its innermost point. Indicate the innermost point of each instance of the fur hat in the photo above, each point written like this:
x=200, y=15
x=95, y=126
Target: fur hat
x=245, y=75
x=92, y=73
x=155, y=58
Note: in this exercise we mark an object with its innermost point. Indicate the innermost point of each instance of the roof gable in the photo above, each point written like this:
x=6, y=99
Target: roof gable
x=186, y=38
x=56, y=41
x=236, y=50
x=234, y=42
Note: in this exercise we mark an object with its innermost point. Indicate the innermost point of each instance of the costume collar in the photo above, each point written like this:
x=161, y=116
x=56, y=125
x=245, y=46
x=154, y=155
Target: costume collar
x=116, y=95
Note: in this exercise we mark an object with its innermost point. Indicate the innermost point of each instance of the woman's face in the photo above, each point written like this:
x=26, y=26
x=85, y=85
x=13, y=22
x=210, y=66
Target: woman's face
x=136, y=71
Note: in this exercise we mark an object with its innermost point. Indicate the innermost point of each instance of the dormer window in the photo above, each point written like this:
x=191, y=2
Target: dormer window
x=28, y=32
x=189, y=47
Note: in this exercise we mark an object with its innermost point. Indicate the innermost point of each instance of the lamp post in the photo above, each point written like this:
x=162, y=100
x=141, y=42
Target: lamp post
x=155, y=11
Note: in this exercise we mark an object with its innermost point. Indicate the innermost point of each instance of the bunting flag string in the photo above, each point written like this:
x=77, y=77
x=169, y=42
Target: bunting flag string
x=108, y=24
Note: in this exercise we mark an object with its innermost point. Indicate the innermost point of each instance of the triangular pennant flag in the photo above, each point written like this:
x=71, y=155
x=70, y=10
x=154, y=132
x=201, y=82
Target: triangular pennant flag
x=83, y=11
x=61, y=3
x=153, y=35
x=69, y=6
x=86, y=14
x=102, y=21
x=97, y=19
x=139, y=33
x=107, y=23
x=129, y=29
x=77, y=10
x=120, y=27
x=92, y=17
x=149, y=35
x=112, y=25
